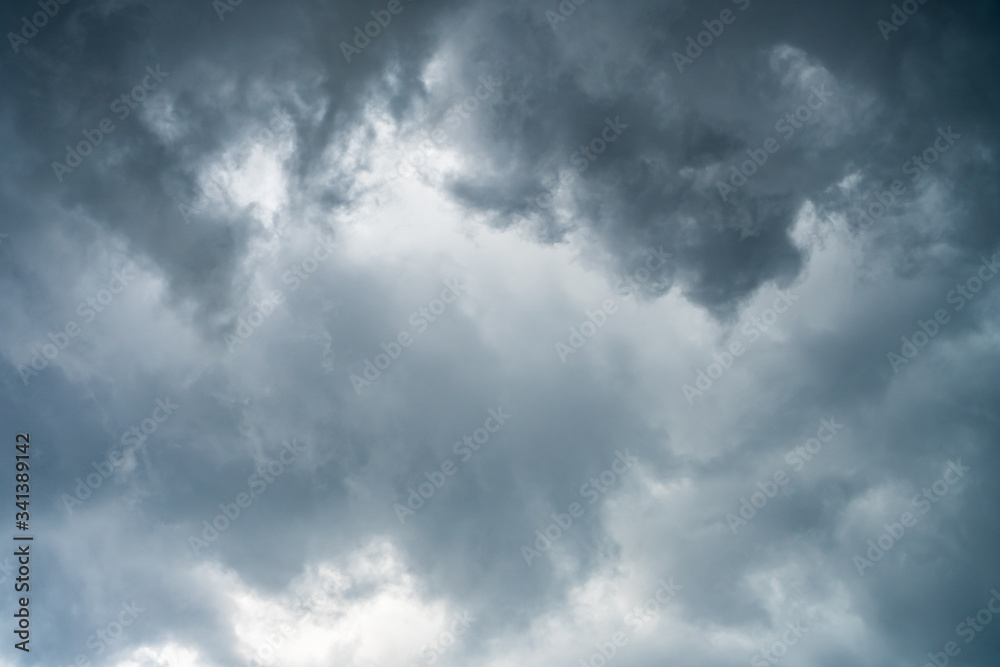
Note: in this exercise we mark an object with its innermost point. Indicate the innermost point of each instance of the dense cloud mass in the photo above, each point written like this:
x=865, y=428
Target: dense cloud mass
x=502, y=333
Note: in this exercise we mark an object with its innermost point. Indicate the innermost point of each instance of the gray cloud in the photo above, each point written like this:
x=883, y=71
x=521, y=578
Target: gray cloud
x=316, y=220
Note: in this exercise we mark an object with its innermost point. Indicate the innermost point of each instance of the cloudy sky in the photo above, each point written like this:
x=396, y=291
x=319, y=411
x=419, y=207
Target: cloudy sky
x=401, y=333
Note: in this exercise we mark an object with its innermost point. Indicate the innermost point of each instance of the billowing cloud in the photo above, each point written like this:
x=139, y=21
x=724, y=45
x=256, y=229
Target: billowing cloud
x=470, y=333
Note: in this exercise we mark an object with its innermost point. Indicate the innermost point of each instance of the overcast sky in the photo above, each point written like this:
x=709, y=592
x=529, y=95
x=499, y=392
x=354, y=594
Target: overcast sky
x=401, y=333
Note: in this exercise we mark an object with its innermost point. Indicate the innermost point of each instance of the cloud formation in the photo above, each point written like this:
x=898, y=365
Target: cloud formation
x=416, y=333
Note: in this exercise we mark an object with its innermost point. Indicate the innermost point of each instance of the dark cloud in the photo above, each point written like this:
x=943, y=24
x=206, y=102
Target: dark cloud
x=318, y=208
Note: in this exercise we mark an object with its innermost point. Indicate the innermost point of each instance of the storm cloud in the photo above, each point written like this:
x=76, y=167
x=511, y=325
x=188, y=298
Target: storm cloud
x=411, y=333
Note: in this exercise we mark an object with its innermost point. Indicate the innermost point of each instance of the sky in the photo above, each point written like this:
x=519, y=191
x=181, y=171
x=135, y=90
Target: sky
x=410, y=333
